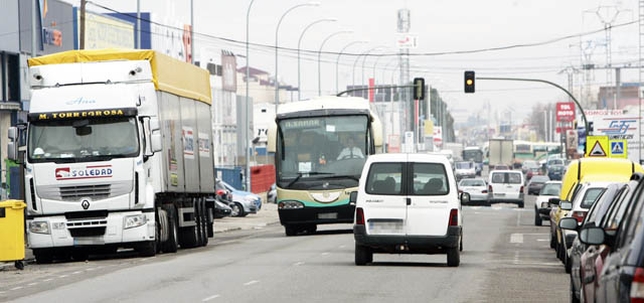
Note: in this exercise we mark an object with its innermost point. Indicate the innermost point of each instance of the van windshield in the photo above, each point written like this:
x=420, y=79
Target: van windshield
x=506, y=177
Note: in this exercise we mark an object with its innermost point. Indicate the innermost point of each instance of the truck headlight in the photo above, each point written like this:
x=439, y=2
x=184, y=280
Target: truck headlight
x=134, y=221
x=39, y=227
x=290, y=205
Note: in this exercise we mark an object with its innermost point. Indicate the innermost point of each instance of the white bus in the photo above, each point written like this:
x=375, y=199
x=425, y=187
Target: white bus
x=315, y=166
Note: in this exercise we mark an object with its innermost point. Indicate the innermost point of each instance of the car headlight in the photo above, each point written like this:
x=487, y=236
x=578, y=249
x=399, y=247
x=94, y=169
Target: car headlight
x=134, y=221
x=39, y=227
x=250, y=198
x=545, y=204
x=290, y=205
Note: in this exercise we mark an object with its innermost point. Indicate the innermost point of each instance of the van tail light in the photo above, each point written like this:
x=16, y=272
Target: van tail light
x=453, y=217
x=578, y=215
x=637, y=286
x=484, y=191
x=359, y=216
x=521, y=190
x=489, y=189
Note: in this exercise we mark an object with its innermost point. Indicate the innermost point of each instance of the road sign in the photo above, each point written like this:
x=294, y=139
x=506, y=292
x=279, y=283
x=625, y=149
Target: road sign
x=618, y=148
x=597, y=146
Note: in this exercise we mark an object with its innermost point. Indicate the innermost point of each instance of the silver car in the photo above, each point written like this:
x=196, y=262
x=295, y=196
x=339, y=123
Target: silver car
x=476, y=188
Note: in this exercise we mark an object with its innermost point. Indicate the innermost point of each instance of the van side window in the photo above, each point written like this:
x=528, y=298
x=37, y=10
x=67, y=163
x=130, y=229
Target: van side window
x=384, y=179
x=429, y=179
x=514, y=178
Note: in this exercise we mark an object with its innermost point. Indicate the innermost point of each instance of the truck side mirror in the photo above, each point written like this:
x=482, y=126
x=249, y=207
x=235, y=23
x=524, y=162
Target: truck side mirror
x=12, y=146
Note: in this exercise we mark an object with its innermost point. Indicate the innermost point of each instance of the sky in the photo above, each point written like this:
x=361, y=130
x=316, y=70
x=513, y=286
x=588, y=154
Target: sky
x=536, y=39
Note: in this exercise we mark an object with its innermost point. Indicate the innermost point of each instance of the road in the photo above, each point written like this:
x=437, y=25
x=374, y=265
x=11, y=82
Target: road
x=505, y=258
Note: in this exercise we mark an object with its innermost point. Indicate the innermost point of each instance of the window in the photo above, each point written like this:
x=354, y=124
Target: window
x=384, y=179
x=429, y=179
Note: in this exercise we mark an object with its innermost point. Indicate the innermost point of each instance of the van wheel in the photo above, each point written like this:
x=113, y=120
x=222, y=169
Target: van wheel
x=363, y=255
x=453, y=257
x=537, y=219
x=520, y=204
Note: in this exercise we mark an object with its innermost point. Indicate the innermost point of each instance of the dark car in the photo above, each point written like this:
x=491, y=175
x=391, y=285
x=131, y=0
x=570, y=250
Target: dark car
x=536, y=183
x=622, y=274
x=222, y=209
x=593, y=259
x=595, y=214
x=556, y=171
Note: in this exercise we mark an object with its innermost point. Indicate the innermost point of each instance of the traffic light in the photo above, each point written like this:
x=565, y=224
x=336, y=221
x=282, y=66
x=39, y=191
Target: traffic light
x=419, y=88
x=469, y=81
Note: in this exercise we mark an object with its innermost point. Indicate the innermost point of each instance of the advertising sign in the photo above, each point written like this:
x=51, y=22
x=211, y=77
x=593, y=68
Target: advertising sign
x=565, y=111
x=617, y=125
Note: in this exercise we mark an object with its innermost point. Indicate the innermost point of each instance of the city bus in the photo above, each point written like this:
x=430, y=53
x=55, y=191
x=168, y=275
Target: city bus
x=523, y=150
x=475, y=154
x=314, y=170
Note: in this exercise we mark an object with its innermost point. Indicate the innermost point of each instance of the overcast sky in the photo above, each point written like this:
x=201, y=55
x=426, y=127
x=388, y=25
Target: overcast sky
x=444, y=28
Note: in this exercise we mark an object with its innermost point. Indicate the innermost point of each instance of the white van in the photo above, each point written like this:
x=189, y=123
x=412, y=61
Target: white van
x=506, y=186
x=407, y=203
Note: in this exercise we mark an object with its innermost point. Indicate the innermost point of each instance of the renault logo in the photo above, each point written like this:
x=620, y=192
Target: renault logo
x=85, y=204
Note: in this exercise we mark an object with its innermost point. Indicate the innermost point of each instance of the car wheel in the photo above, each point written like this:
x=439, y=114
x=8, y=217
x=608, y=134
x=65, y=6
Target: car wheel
x=363, y=255
x=573, y=298
x=552, y=240
x=567, y=262
x=537, y=218
x=238, y=210
x=453, y=257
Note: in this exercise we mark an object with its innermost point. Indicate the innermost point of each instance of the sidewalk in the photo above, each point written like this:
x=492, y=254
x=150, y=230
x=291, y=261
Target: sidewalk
x=264, y=217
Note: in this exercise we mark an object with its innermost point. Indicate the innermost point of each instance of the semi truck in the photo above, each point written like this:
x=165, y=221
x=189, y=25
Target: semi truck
x=500, y=152
x=117, y=153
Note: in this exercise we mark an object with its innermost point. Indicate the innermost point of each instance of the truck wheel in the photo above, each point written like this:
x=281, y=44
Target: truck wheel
x=363, y=255
x=171, y=245
x=189, y=236
x=210, y=222
x=453, y=257
x=147, y=249
x=43, y=255
x=203, y=219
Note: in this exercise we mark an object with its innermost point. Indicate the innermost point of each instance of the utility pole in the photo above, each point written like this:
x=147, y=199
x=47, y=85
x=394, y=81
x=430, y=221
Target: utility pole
x=82, y=24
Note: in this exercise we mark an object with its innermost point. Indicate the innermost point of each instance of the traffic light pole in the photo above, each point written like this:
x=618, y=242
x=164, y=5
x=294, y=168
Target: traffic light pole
x=586, y=126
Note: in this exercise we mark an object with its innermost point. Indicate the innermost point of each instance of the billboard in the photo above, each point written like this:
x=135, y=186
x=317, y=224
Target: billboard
x=565, y=111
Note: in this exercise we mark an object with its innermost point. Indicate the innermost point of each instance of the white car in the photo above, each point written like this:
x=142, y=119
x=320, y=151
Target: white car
x=506, y=186
x=407, y=204
x=476, y=188
x=550, y=189
x=464, y=169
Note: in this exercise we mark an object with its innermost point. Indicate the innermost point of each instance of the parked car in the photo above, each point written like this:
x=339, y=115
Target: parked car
x=271, y=195
x=556, y=172
x=595, y=215
x=587, y=194
x=244, y=202
x=423, y=225
x=542, y=206
x=222, y=210
x=505, y=186
x=621, y=276
x=464, y=169
x=476, y=188
x=536, y=183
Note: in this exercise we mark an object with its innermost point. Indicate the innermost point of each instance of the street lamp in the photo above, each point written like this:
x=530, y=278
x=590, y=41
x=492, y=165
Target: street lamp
x=277, y=87
x=246, y=135
x=299, y=42
x=365, y=59
x=356, y=62
x=337, y=63
x=320, y=55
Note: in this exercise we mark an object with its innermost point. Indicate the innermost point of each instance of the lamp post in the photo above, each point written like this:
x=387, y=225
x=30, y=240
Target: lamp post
x=277, y=86
x=356, y=62
x=320, y=55
x=365, y=59
x=299, y=42
x=246, y=136
x=337, y=63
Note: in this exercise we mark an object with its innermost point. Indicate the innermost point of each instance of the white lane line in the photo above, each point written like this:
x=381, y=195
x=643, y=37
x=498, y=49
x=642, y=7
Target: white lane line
x=516, y=257
x=251, y=283
x=2, y=292
x=16, y=288
x=32, y=284
x=63, y=276
x=543, y=240
x=516, y=238
x=342, y=246
x=210, y=298
x=324, y=253
x=519, y=219
x=298, y=263
x=47, y=280
x=76, y=272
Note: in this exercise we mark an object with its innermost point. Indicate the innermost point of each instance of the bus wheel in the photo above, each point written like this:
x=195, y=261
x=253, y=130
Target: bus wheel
x=290, y=230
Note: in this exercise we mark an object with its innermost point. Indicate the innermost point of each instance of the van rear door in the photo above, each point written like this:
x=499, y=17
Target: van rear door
x=385, y=205
x=429, y=204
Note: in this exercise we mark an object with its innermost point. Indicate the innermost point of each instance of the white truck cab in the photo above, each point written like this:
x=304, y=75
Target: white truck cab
x=407, y=204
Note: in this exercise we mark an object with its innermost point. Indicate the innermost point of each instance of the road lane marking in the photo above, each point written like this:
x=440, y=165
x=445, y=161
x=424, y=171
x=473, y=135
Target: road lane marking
x=251, y=283
x=76, y=272
x=519, y=219
x=210, y=298
x=32, y=284
x=16, y=288
x=63, y=276
x=325, y=253
x=516, y=238
x=298, y=263
x=47, y=280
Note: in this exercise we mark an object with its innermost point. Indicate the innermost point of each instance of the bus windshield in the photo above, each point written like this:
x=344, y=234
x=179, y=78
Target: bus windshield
x=314, y=148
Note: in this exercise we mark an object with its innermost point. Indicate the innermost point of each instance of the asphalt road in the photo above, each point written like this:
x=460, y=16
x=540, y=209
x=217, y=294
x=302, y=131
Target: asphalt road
x=505, y=259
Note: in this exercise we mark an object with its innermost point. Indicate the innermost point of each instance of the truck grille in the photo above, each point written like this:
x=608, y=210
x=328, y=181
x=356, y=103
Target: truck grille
x=74, y=193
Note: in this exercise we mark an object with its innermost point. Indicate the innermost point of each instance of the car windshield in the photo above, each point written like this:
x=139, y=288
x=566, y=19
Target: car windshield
x=472, y=182
x=464, y=165
x=550, y=189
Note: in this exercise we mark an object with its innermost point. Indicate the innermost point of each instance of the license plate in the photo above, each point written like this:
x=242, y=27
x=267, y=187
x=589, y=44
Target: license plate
x=328, y=216
x=388, y=227
x=499, y=194
x=89, y=241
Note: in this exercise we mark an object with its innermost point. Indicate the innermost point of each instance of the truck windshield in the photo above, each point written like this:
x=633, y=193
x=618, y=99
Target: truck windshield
x=82, y=140
x=314, y=148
